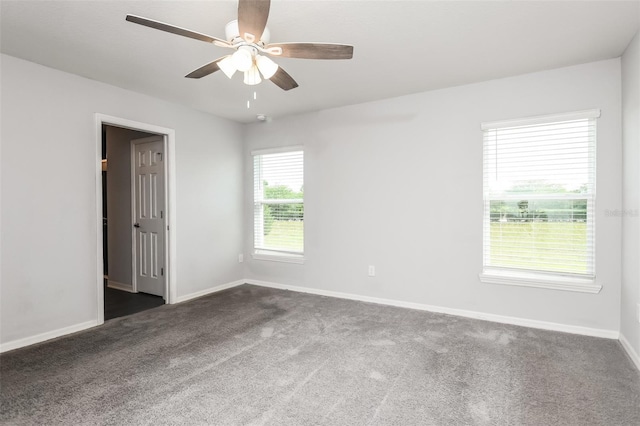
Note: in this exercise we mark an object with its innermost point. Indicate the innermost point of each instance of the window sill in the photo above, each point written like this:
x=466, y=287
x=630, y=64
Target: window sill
x=275, y=257
x=541, y=280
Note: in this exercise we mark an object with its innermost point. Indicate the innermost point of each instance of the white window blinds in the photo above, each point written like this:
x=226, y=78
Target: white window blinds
x=279, y=202
x=539, y=194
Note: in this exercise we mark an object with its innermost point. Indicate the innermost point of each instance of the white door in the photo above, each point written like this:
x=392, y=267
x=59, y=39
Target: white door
x=149, y=216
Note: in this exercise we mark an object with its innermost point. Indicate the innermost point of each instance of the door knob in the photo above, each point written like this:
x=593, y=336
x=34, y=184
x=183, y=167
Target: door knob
x=136, y=225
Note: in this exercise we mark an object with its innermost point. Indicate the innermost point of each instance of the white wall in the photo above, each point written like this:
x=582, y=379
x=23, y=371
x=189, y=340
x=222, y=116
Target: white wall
x=395, y=183
x=629, y=326
x=118, y=141
x=398, y=184
x=49, y=236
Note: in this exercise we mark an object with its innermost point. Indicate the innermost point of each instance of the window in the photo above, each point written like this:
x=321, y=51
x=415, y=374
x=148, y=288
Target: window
x=539, y=194
x=279, y=203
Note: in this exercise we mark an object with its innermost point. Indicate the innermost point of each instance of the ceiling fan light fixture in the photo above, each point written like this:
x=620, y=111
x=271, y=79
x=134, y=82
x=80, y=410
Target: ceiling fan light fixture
x=227, y=66
x=252, y=76
x=243, y=58
x=266, y=66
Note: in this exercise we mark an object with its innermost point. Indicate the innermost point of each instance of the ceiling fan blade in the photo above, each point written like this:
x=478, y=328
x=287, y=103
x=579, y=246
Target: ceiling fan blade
x=252, y=18
x=206, y=69
x=311, y=50
x=177, y=30
x=283, y=80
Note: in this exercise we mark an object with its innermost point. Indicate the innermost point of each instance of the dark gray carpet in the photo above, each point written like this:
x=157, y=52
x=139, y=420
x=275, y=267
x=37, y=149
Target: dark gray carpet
x=253, y=355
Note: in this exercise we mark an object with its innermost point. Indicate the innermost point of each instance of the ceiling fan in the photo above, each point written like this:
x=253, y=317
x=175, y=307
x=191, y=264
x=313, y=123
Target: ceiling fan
x=249, y=36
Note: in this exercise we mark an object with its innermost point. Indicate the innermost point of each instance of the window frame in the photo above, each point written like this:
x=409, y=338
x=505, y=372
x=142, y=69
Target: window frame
x=585, y=283
x=275, y=255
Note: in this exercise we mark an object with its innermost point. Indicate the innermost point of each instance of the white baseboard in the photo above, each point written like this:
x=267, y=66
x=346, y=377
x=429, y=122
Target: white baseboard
x=38, y=338
x=120, y=286
x=15, y=344
x=635, y=358
x=210, y=290
x=586, y=331
x=544, y=325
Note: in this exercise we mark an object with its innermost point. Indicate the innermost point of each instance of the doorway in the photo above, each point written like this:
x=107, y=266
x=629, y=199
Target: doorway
x=136, y=248
x=133, y=186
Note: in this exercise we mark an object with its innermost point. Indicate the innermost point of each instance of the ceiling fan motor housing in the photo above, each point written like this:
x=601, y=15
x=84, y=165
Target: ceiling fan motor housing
x=232, y=33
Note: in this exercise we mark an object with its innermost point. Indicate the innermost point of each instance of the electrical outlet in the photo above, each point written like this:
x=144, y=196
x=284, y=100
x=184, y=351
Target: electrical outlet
x=372, y=271
x=240, y=258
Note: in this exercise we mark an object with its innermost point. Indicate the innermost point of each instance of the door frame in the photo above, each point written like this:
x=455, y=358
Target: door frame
x=170, y=208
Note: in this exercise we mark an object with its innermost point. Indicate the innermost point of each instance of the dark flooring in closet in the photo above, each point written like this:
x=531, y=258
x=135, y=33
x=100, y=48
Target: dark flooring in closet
x=118, y=303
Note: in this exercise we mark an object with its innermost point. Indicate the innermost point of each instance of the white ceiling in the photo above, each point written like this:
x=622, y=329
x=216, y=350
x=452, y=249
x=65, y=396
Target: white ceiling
x=401, y=47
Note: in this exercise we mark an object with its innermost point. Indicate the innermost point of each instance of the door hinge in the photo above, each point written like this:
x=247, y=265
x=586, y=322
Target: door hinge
x=161, y=214
x=167, y=227
x=162, y=272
